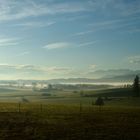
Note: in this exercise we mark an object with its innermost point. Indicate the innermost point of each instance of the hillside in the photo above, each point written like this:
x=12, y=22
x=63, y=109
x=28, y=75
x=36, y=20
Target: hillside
x=117, y=92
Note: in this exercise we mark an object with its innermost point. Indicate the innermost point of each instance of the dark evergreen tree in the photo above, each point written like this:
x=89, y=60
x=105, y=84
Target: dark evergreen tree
x=136, y=86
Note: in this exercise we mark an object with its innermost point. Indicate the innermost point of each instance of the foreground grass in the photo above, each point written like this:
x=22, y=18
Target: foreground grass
x=69, y=122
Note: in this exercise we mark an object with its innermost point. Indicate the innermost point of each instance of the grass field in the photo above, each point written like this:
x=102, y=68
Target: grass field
x=61, y=122
x=65, y=115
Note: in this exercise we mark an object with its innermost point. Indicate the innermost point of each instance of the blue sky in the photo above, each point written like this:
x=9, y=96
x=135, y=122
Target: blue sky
x=45, y=39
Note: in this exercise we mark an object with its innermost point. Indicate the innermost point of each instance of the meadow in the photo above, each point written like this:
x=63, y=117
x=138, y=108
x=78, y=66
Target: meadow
x=66, y=115
x=58, y=122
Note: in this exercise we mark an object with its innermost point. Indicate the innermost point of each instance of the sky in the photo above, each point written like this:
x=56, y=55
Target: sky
x=48, y=39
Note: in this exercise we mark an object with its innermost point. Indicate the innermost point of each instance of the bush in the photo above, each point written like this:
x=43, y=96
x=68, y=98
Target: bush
x=99, y=101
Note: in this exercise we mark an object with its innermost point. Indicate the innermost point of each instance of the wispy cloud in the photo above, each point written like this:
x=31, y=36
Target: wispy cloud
x=120, y=24
x=61, y=45
x=87, y=43
x=29, y=71
x=92, y=67
x=83, y=33
x=102, y=25
x=35, y=24
x=23, y=53
x=106, y=23
x=57, y=45
x=55, y=69
x=118, y=8
x=4, y=41
x=33, y=68
x=11, y=10
x=39, y=71
x=17, y=67
x=130, y=9
x=134, y=59
x=133, y=30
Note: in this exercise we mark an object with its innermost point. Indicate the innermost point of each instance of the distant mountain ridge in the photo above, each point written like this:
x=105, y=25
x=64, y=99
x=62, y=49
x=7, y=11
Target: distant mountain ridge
x=121, y=79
